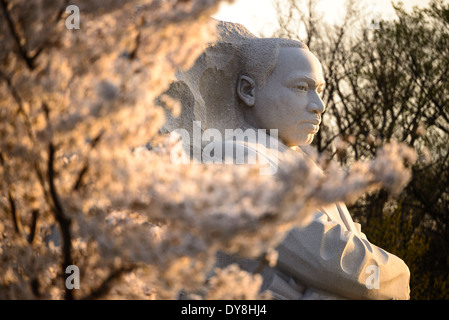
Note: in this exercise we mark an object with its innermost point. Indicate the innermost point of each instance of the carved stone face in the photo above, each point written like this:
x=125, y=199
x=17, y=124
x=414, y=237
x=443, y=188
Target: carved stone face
x=290, y=99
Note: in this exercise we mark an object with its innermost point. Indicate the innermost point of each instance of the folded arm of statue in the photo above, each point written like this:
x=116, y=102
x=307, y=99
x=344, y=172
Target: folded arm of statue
x=326, y=256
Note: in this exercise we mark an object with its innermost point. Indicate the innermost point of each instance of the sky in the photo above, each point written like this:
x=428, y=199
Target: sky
x=260, y=16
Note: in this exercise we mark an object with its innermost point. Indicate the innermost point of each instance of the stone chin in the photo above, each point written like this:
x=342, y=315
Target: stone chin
x=302, y=140
x=308, y=141
x=302, y=137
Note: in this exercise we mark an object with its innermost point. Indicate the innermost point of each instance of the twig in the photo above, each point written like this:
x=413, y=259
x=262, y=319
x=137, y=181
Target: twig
x=61, y=218
x=35, y=287
x=15, y=215
x=46, y=42
x=33, y=227
x=81, y=174
x=22, y=50
x=12, y=203
x=29, y=130
x=105, y=286
x=29, y=59
x=133, y=53
x=85, y=167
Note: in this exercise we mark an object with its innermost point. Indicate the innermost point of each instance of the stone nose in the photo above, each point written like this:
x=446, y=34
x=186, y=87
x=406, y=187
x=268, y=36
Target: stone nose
x=315, y=106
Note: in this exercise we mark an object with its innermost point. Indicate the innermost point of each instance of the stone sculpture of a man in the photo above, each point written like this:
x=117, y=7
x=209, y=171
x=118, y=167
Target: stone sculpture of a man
x=276, y=84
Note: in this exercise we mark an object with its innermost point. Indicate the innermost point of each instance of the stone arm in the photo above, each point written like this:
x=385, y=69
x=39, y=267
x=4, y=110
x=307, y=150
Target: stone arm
x=326, y=257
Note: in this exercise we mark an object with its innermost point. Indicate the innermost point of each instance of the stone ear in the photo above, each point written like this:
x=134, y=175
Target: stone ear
x=246, y=90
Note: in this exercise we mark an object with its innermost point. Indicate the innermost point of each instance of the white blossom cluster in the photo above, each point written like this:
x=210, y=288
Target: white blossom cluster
x=76, y=107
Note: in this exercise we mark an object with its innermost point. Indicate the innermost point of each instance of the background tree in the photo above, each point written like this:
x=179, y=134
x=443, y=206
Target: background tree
x=389, y=80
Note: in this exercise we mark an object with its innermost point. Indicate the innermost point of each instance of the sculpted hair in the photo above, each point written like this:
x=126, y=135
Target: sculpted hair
x=259, y=56
x=256, y=57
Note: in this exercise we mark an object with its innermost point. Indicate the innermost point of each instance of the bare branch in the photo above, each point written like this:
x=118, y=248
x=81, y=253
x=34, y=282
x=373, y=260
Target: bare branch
x=105, y=286
x=33, y=227
x=85, y=168
x=15, y=216
x=61, y=218
x=12, y=28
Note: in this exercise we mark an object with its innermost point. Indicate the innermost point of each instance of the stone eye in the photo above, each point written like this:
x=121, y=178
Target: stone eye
x=301, y=87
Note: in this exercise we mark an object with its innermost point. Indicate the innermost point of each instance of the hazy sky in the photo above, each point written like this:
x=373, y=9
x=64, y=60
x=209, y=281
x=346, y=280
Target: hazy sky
x=259, y=15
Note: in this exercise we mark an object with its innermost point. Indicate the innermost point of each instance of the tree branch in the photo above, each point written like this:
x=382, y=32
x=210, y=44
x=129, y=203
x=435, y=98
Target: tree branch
x=33, y=227
x=58, y=16
x=12, y=28
x=12, y=203
x=85, y=168
x=15, y=216
x=61, y=218
x=105, y=286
